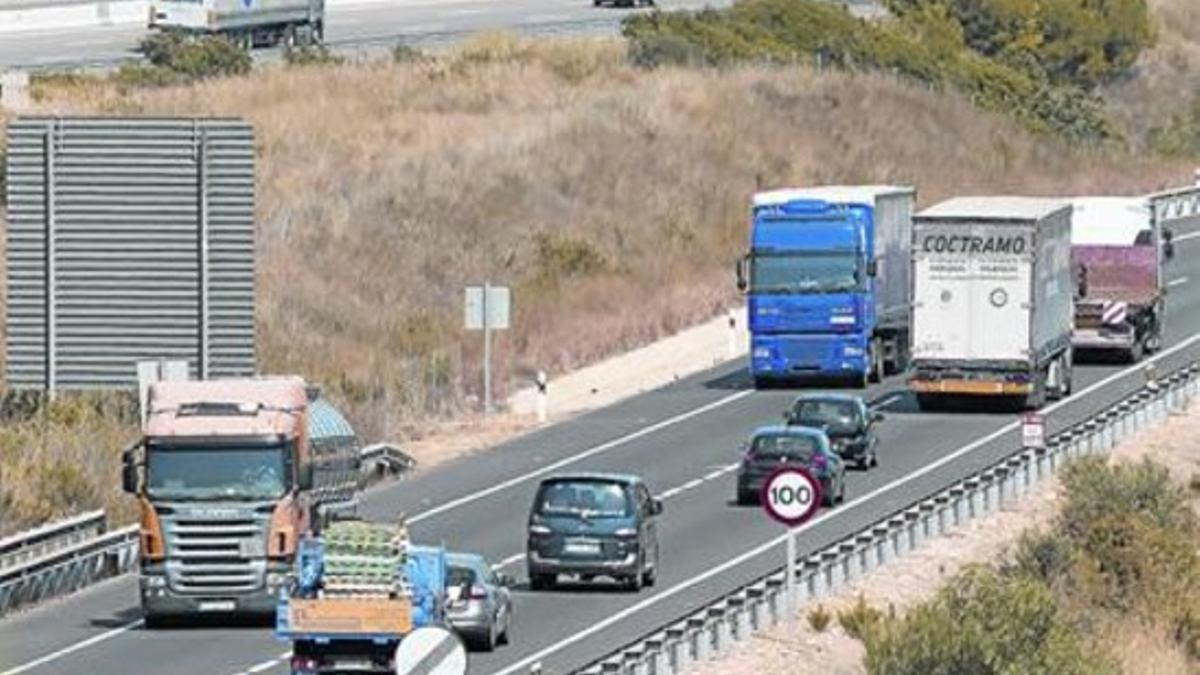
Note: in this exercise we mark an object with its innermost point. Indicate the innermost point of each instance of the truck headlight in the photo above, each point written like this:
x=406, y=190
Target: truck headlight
x=762, y=352
x=852, y=350
x=154, y=581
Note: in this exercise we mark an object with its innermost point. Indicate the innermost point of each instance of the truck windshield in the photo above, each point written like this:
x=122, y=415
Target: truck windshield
x=807, y=272
x=207, y=472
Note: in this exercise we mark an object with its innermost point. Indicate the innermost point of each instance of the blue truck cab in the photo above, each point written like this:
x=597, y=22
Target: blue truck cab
x=827, y=282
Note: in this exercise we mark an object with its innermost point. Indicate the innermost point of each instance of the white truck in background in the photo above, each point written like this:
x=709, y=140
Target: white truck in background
x=992, y=300
x=247, y=23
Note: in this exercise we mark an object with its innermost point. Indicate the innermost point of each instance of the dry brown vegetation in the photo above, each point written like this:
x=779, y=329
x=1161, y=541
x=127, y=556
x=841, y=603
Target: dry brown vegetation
x=1167, y=76
x=612, y=199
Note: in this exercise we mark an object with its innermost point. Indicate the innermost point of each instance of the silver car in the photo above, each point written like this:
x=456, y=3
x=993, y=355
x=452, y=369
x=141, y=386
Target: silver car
x=479, y=604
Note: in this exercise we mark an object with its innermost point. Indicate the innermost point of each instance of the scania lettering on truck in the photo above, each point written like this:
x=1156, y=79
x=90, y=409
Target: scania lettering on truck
x=1117, y=263
x=228, y=475
x=992, y=310
x=827, y=283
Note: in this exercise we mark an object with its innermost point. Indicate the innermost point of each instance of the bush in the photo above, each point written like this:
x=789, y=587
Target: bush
x=403, y=53
x=1180, y=137
x=860, y=620
x=983, y=623
x=175, y=59
x=309, y=55
x=819, y=618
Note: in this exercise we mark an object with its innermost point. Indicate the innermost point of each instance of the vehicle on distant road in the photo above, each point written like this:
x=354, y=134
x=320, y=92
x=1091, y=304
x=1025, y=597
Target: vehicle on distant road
x=478, y=602
x=228, y=475
x=593, y=525
x=992, y=301
x=247, y=23
x=772, y=447
x=826, y=283
x=624, y=3
x=1117, y=254
x=846, y=420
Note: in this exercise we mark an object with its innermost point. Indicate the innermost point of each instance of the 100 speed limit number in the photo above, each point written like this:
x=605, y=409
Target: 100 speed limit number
x=791, y=495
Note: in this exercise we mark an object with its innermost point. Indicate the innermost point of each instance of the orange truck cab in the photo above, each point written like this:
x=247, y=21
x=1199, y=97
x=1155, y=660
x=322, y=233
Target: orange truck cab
x=228, y=474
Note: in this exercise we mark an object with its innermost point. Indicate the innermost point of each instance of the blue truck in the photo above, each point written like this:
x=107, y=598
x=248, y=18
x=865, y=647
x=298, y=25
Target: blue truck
x=827, y=282
x=356, y=591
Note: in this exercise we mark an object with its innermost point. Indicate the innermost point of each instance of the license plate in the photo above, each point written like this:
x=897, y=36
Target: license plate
x=217, y=605
x=355, y=665
x=581, y=548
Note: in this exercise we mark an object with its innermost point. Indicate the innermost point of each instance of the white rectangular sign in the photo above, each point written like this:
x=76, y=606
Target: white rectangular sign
x=498, y=304
x=1033, y=431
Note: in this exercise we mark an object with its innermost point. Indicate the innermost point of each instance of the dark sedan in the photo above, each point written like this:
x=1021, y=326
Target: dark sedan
x=773, y=447
x=846, y=420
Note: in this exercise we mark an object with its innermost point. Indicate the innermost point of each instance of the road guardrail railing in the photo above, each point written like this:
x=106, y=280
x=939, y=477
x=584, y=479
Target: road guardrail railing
x=700, y=635
x=62, y=557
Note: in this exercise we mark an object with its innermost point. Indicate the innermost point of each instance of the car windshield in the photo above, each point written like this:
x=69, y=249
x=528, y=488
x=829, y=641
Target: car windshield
x=210, y=472
x=836, y=416
x=589, y=498
x=796, y=447
x=835, y=272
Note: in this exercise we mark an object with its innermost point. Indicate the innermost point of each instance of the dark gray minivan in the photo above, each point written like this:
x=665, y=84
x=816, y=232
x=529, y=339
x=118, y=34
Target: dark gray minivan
x=593, y=525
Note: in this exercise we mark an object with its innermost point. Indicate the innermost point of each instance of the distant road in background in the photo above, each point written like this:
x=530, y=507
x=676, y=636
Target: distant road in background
x=416, y=22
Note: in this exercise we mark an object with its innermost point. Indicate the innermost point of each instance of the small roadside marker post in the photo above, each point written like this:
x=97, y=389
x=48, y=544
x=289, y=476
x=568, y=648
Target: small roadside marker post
x=790, y=496
x=487, y=309
x=1033, y=431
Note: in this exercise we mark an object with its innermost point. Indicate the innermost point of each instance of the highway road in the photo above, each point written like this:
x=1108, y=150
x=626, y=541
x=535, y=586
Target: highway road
x=417, y=22
x=683, y=440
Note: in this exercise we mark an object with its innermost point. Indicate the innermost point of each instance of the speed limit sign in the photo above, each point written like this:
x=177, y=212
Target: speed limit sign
x=791, y=495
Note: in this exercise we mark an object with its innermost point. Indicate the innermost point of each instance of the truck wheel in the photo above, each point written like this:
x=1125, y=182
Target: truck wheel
x=875, y=362
x=927, y=402
x=1037, y=398
x=542, y=582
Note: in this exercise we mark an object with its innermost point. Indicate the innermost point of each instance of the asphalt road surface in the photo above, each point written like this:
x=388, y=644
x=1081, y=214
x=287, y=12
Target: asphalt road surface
x=683, y=440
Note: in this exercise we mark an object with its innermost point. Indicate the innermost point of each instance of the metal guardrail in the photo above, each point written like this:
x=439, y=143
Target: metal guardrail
x=50, y=537
x=761, y=604
x=68, y=569
x=1176, y=203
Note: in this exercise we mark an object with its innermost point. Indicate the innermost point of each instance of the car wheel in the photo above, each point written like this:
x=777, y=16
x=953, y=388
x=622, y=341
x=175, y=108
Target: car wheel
x=488, y=642
x=863, y=463
x=650, y=576
x=745, y=497
x=842, y=490
x=828, y=498
x=634, y=581
x=874, y=458
x=542, y=582
x=506, y=637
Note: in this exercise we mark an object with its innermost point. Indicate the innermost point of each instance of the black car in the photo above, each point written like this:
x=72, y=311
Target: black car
x=771, y=448
x=593, y=525
x=846, y=420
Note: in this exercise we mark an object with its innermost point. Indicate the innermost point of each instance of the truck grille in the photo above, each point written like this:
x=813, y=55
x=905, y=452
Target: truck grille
x=215, y=557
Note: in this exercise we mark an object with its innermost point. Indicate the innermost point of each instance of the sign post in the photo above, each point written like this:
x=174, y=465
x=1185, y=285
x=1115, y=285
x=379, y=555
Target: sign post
x=1033, y=431
x=790, y=496
x=487, y=309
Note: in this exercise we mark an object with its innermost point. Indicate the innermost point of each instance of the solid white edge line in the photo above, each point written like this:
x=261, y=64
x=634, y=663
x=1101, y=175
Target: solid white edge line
x=590, y=452
x=1177, y=282
x=52, y=656
x=762, y=548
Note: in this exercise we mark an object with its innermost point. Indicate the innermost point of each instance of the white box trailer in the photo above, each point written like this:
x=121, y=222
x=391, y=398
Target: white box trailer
x=248, y=23
x=992, y=299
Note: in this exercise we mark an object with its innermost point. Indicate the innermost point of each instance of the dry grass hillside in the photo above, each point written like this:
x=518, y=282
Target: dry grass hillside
x=612, y=199
x=1167, y=77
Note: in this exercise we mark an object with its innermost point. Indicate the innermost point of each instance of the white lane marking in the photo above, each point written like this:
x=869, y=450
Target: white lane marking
x=265, y=665
x=1178, y=282
x=762, y=548
x=712, y=475
x=590, y=452
x=508, y=561
x=1185, y=237
x=691, y=484
x=888, y=401
x=715, y=474
x=53, y=656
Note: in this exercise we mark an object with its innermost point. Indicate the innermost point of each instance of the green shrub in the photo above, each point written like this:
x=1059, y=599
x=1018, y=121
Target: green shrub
x=860, y=620
x=403, y=53
x=174, y=59
x=1097, y=493
x=1180, y=137
x=983, y=623
x=309, y=55
x=927, y=46
x=819, y=618
x=562, y=257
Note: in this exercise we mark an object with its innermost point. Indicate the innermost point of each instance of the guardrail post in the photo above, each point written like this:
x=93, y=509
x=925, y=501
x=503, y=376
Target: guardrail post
x=633, y=659
x=697, y=645
x=848, y=554
x=774, y=598
x=879, y=535
x=974, y=498
x=942, y=502
x=813, y=577
x=830, y=567
x=989, y=490
x=896, y=534
x=677, y=650
x=958, y=503
x=925, y=512
x=736, y=617
x=912, y=529
x=755, y=605
x=655, y=655
x=718, y=627
x=864, y=543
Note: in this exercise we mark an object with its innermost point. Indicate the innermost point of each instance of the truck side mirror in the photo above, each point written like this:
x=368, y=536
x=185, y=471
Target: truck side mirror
x=656, y=507
x=129, y=473
x=305, y=480
x=872, y=268
x=740, y=272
